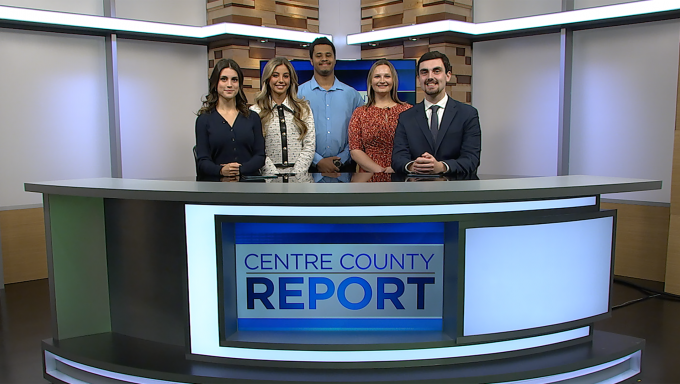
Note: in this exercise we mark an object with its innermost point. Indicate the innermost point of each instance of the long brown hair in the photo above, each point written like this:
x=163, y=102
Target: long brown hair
x=263, y=98
x=395, y=83
x=210, y=100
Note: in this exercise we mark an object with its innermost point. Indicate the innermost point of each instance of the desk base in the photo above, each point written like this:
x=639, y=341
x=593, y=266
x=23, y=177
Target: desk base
x=111, y=358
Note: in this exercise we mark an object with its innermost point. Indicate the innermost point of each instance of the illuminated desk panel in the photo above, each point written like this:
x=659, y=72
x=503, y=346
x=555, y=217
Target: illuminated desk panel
x=524, y=268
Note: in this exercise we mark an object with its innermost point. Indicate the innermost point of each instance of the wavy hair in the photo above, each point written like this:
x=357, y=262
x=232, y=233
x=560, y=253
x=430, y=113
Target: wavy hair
x=395, y=83
x=211, y=99
x=263, y=98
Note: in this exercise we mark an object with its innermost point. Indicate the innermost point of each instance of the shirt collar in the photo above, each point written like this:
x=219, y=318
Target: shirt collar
x=286, y=104
x=334, y=87
x=441, y=103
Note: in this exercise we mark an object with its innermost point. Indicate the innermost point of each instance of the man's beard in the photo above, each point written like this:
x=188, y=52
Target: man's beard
x=433, y=92
x=324, y=72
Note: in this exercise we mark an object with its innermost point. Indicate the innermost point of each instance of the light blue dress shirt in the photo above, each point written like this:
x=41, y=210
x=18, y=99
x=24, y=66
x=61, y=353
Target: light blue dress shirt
x=332, y=111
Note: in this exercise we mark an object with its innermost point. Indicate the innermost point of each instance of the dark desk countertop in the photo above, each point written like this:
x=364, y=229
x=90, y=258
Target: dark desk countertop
x=341, y=194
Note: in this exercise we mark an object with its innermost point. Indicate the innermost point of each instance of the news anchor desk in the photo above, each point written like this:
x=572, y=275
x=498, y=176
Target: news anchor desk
x=475, y=281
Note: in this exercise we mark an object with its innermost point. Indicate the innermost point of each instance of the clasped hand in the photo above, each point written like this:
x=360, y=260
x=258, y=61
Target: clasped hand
x=426, y=163
x=231, y=169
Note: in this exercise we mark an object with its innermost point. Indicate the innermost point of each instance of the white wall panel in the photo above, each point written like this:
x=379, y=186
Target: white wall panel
x=161, y=85
x=339, y=19
x=579, y=4
x=187, y=12
x=515, y=87
x=53, y=111
x=623, y=104
x=86, y=7
x=491, y=10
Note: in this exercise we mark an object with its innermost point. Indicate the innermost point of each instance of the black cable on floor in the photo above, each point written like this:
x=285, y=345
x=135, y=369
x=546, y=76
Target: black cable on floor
x=648, y=291
x=651, y=293
x=627, y=303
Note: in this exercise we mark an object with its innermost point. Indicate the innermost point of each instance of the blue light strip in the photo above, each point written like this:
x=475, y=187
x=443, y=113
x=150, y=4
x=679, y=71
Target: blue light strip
x=112, y=24
x=568, y=18
x=327, y=324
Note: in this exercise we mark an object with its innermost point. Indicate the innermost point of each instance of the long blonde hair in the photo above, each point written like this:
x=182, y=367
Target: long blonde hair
x=395, y=83
x=263, y=98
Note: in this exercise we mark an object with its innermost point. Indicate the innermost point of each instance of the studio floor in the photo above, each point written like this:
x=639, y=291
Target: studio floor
x=25, y=321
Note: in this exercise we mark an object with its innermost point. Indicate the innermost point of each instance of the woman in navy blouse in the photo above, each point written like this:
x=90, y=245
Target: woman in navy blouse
x=229, y=139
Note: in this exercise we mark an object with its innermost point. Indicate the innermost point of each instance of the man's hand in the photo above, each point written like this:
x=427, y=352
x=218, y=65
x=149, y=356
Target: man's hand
x=231, y=169
x=326, y=165
x=426, y=163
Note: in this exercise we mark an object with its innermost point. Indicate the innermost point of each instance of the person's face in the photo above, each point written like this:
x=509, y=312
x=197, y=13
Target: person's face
x=279, y=82
x=382, y=81
x=323, y=59
x=227, y=85
x=433, y=77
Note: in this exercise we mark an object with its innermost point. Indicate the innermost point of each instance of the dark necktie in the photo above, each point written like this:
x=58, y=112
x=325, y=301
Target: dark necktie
x=434, y=121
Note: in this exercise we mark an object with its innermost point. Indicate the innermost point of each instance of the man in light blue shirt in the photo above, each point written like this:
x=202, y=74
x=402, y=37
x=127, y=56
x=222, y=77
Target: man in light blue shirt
x=333, y=103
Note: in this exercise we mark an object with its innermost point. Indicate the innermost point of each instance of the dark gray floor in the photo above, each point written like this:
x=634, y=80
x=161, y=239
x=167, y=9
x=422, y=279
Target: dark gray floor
x=25, y=320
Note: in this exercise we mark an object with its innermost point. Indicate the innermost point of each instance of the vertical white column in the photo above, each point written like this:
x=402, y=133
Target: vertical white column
x=339, y=19
x=566, y=65
x=112, y=92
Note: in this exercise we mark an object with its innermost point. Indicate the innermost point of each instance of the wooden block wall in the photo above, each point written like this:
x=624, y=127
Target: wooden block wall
x=248, y=54
x=673, y=255
x=23, y=245
x=641, y=240
x=460, y=56
x=380, y=14
x=300, y=15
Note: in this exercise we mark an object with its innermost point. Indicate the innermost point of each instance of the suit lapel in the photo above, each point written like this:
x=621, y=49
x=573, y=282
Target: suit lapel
x=449, y=113
x=421, y=120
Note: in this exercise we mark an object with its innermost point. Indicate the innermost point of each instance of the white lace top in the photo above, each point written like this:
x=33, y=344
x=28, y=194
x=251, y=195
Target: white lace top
x=282, y=145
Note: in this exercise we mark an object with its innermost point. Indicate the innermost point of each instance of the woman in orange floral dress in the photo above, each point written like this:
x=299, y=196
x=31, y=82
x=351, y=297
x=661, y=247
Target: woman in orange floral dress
x=371, y=129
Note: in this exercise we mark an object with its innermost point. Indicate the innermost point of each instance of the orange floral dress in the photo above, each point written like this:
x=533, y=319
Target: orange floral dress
x=371, y=130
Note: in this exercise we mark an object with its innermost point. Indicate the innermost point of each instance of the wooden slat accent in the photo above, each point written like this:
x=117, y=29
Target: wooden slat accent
x=293, y=22
x=438, y=17
x=672, y=277
x=262, y=53
x=243, y=3
x=23, y=245
x=641, y=240
x=296, y=10
x=416, y=51
x=384, y=10
x=383, y=52
x=265, y=5
x=293, y=53
x=248, y=20
x=387, y=21
x=378, y=3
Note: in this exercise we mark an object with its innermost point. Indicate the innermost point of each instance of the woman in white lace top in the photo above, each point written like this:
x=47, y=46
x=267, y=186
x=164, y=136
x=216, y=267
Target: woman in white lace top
x=287, y=121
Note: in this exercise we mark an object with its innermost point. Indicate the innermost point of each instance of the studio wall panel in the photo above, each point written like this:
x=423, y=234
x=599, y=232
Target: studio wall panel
x=491, y=10
x=515, y=87
x=623, y=104
x=186, y=12
x=53, y=108
x=86, y=7
x=340, y=19
x=161, y=86
x=579, y=4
